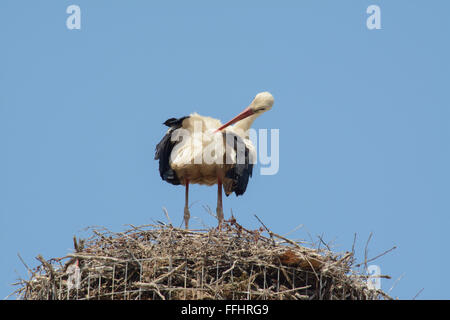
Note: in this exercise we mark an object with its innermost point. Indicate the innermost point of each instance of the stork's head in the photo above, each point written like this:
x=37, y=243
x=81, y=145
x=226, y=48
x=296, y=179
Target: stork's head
x=262, y=102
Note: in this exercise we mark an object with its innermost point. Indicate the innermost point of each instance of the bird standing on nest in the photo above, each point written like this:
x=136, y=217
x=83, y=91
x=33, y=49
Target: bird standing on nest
x=211, y=153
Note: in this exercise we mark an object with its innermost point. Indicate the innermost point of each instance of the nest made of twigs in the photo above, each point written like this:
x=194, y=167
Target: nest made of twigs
x=163, y=262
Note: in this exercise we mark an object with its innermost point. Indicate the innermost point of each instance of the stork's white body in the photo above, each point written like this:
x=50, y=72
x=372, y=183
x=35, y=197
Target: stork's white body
x=196, y=158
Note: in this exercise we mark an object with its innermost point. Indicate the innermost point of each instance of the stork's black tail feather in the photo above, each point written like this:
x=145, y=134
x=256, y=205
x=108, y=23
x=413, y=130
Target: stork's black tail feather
x=241, y=172
x=164, y=149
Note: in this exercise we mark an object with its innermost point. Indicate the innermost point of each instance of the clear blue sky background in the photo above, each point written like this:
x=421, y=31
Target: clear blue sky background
x=363, y=117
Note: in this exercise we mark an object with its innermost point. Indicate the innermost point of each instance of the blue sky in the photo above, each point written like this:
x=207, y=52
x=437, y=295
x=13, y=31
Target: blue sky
x=363, y=116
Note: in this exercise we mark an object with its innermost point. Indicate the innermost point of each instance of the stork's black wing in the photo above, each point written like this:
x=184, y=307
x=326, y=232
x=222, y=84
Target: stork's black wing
x=240, y=173
x=164, y=149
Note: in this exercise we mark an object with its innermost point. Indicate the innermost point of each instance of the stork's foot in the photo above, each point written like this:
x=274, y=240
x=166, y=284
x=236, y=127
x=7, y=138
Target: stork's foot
x=219, y=212
x=187, y=215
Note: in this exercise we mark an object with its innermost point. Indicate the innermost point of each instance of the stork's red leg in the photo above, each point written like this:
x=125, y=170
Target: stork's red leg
x=219, y=209
x=187, y=214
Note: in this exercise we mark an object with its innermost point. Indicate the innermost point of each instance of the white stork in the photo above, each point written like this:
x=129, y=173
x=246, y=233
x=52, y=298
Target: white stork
x=183, y=162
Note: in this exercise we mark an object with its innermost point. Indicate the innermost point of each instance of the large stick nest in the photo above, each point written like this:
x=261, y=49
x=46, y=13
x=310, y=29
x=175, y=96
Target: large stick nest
x=163, y=262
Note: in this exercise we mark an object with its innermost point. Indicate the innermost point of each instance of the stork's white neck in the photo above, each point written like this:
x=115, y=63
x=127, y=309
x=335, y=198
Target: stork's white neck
x=245, y=124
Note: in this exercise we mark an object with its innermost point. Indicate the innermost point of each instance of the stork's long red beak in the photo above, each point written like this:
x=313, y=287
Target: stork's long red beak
x=244, y=114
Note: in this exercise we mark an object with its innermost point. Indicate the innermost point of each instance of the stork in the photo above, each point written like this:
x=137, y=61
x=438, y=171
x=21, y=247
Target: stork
x=183, y=162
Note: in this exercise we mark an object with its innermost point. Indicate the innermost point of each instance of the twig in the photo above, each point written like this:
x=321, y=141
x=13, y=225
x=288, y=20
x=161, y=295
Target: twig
x=167, y=215
x=376, y=257
x=395, y=282
x=382, y=254
x=326, y=245
x=267, y=229
x=159, y=279
x=353, y=249
x=47, y=266
x=26, y=266
x=295, y=289
x=293, y=230
x=95, y=257
x=417, y=294
x=366, y=251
